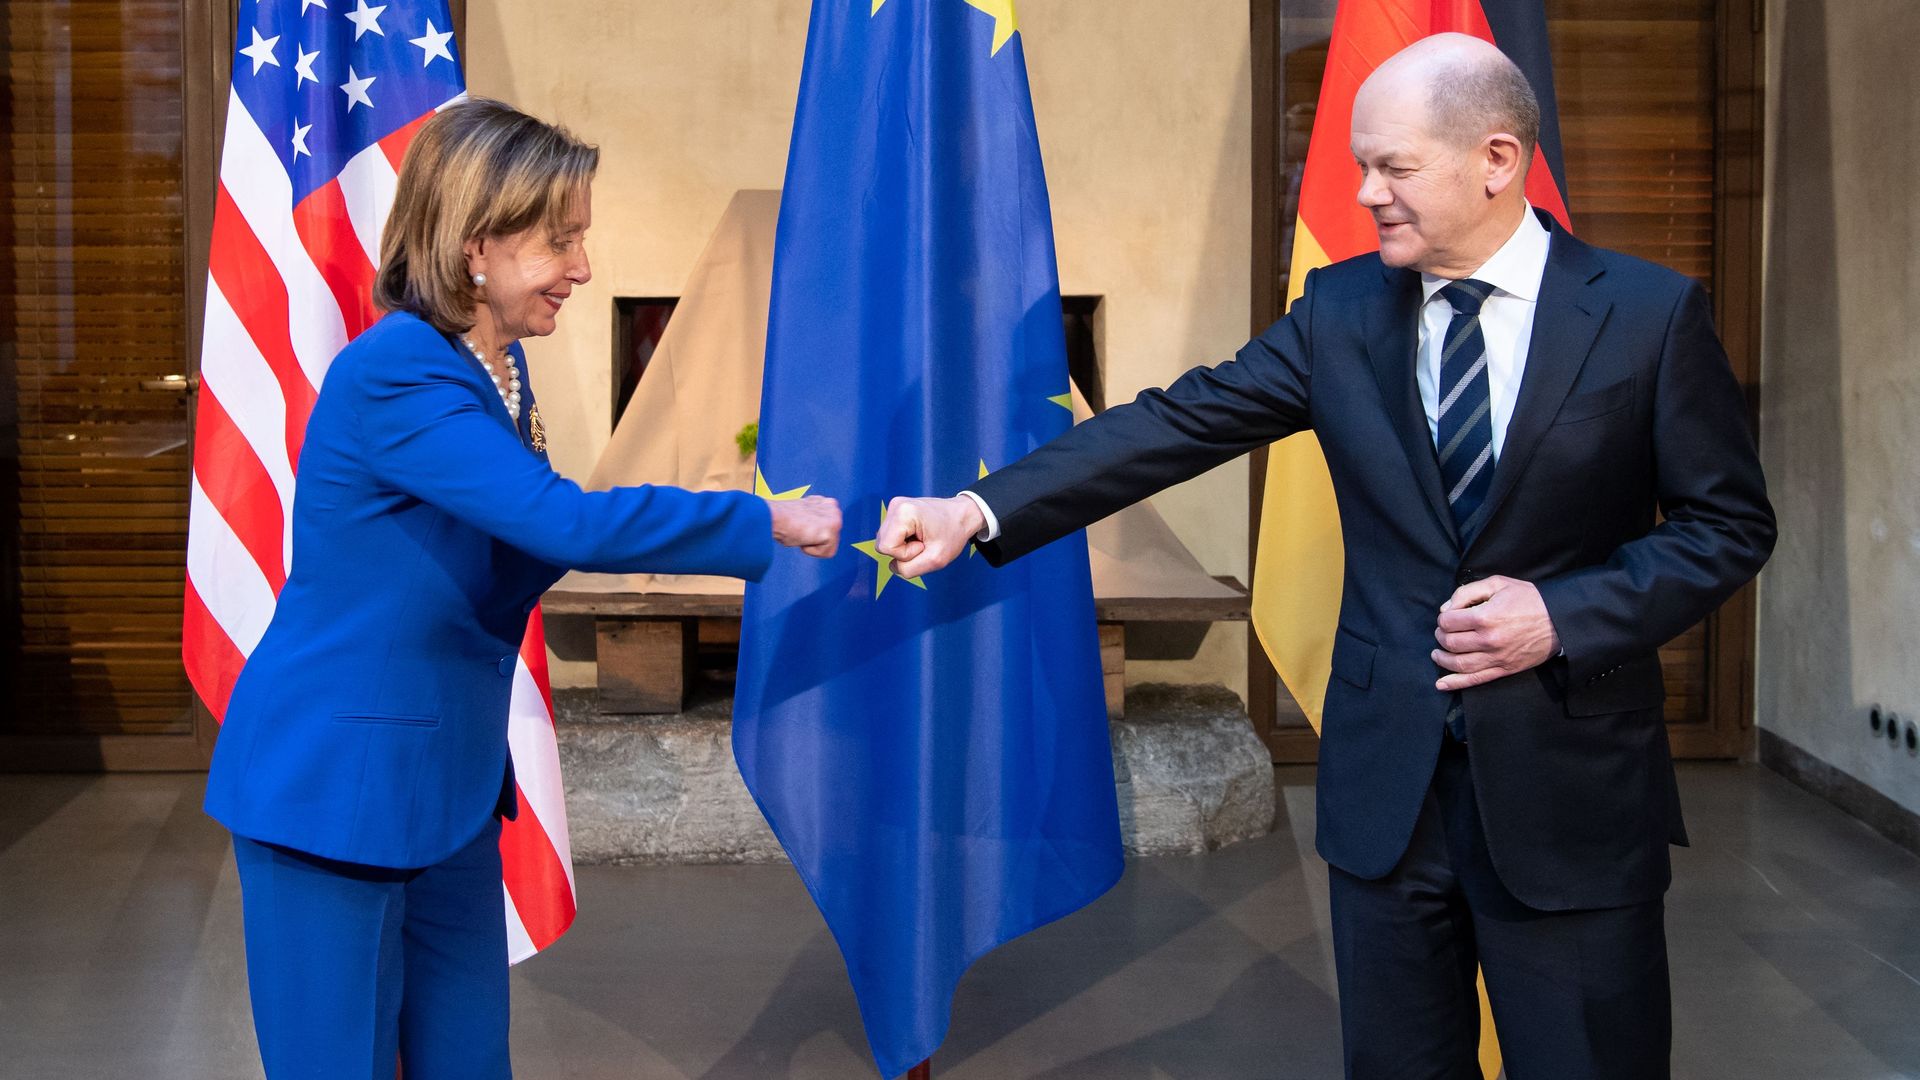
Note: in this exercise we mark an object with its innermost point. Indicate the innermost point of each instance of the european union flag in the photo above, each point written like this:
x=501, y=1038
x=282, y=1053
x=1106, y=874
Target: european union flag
x=933, y=754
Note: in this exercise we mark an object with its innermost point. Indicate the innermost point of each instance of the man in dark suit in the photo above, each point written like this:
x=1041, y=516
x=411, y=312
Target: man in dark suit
x=1544, y=473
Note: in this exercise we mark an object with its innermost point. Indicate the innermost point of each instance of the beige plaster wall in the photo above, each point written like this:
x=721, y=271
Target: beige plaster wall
x=1143, y=106
x=1840, y=424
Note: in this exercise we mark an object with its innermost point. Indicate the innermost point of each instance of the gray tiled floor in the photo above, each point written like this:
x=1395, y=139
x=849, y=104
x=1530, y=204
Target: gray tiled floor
x=1795, y=930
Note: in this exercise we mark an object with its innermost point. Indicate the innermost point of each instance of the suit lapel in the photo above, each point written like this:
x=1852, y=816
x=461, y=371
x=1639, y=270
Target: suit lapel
x=1565, y=322
x=1391, y=347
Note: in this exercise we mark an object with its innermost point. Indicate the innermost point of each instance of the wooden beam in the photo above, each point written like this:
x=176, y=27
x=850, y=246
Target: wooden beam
x=632, y=605
x=645, y=665
x=1113, y=667
x=1267, y=700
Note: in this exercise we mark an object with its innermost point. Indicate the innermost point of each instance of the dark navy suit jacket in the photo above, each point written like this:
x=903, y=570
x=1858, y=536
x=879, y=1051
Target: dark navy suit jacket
x=1628, y=492
x=370, y=723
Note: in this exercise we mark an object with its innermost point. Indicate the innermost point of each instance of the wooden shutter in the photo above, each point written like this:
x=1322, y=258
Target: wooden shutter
x=1659, y=113
x=94, y=297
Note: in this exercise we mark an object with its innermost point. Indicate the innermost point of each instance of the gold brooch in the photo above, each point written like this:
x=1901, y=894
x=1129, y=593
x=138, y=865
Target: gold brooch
x=536, y=429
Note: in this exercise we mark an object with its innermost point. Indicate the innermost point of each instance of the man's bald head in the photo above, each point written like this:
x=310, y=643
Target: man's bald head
x=1470, y=88
x=1443, y=132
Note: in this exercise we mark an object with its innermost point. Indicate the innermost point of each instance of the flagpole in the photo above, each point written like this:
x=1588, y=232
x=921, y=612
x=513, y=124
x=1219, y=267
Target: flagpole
x=922, y=1071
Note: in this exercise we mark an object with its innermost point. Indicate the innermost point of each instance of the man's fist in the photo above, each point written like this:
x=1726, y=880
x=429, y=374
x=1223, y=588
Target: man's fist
x=923, y=535
x=1491, y=629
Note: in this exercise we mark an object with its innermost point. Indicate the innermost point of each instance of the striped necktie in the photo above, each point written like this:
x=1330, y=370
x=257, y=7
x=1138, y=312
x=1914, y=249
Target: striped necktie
x=1465, y=437
x=1466, y=403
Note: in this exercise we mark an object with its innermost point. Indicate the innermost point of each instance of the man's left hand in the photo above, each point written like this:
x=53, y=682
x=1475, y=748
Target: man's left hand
x=1493, y=628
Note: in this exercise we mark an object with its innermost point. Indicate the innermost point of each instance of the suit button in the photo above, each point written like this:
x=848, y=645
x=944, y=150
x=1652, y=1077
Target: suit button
x=506, y=665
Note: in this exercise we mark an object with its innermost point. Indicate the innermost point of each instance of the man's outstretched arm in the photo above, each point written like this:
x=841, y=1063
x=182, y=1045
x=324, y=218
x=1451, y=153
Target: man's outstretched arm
x=1207, y=417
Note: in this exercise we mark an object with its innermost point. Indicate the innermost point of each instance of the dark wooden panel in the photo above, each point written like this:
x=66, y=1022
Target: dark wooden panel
x=95, y=459
x=646, y=665
x=1113, y=668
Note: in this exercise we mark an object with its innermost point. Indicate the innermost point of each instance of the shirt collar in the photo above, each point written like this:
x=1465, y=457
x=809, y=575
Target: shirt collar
x=1516, y=269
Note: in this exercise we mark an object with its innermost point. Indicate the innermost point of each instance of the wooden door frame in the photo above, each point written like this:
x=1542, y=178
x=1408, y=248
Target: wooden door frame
x=1739, y=155
x=1265, y=694
x=1740, y=71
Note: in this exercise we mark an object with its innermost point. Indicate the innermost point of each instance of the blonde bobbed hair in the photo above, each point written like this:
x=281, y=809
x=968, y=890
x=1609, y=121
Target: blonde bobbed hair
x=478, y=169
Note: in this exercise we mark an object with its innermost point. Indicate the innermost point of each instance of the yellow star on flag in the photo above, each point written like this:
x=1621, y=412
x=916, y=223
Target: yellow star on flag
x=1005, y=22
x=871, y=549
x=765, y=490
x=1065, y=400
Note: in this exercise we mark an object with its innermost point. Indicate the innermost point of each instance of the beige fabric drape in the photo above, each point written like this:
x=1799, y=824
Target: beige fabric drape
x=701, y=386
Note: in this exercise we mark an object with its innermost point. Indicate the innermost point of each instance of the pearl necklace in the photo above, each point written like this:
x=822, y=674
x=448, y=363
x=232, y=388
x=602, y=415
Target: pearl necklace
x=509, y=393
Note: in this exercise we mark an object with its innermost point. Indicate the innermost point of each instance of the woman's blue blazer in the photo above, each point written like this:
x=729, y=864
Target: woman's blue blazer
x=370, y=722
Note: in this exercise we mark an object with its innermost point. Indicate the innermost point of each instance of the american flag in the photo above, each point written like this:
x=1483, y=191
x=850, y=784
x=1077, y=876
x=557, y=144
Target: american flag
x=324, y=101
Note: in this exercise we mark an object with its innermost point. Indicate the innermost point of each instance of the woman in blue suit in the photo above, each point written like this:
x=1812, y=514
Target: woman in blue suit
x=363, y=764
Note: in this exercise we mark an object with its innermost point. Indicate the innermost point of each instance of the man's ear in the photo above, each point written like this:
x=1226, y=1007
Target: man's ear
x=1505, y=166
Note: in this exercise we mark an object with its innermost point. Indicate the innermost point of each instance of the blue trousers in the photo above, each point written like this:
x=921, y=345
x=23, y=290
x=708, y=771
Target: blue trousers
x=351, y=967
x=1577, y=995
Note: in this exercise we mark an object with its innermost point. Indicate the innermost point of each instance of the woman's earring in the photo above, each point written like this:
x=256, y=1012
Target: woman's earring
x=479, y=279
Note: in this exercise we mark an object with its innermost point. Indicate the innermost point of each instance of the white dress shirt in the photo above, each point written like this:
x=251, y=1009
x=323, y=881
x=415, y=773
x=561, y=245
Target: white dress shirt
x=992, y=530
x=1506, y=323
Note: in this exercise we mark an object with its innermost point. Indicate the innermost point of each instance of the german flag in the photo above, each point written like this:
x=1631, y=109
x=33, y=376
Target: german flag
x=1297, y=579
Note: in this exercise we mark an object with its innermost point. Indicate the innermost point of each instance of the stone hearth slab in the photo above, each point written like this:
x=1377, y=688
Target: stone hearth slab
x=1190, y=773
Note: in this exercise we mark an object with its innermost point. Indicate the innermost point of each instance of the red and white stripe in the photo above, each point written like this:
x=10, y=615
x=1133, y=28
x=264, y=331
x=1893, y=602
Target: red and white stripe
x=536, y=856
x=288, y=286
